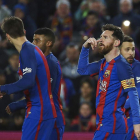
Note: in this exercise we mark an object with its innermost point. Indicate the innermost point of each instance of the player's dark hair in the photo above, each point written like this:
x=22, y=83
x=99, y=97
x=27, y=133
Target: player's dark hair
x=117, y=32
x=127, y=39
x=46, y=32
x=88, y=81
x=94, y=13
x=13, y=26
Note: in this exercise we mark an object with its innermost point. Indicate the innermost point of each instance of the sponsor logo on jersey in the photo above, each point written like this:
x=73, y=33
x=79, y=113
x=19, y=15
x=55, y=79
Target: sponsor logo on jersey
x=138, y=79
x=51, y=80
x=103, y=85
x=27, y=70
x=107, y=73
x=128, y=83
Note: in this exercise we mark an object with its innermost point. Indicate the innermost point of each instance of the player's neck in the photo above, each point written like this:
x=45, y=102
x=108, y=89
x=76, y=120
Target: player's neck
x=18, y=42
x=112, y=54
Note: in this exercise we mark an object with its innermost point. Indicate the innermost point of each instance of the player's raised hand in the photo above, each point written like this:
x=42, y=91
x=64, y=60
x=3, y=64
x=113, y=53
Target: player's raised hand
x=8, y=110
x=137, y=130
x=91, y=41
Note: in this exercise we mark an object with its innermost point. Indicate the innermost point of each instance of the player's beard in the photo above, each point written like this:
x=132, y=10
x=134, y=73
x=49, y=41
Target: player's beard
x=130, y=59
x=105, y=49
x=43, y=48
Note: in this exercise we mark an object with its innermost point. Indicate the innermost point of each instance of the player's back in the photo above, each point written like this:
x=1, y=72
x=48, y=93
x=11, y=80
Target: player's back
x=40, y=103
x=56, y=75
x=111, y=96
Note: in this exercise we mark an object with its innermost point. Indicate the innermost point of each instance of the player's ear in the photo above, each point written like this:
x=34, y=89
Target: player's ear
x=49, y=43
x=8, y=36
x=24, y=31
x=117, y=43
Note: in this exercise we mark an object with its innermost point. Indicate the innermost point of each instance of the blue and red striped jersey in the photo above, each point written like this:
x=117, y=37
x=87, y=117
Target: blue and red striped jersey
x=56, y=75
x=36, y=78
x=115, y=80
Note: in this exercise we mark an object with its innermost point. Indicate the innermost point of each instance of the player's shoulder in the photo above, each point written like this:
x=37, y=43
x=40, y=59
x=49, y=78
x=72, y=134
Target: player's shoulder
x=52, y=60
x=121, y=62
x=28, y=46
x=136, y=65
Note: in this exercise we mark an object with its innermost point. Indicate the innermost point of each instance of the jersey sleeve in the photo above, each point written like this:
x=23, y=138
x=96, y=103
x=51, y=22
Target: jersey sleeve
x=29, y=65
x=86, y=68
x=137, y=74
x=14, y=106
x=124, y=72
x=125, y=75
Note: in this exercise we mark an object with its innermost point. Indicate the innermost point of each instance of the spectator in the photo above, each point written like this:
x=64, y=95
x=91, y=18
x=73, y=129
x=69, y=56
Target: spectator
x=87, y=94
x=126, y=13
x=62, y=23
x=20, y=11
x=32, y=8
x=4, y=12
x=97, y=5
x=11, y=70
x=92, y=27
x=67, y=91
x=82, y=11
x=136, y=6
x=85, y=121
x=69, y=67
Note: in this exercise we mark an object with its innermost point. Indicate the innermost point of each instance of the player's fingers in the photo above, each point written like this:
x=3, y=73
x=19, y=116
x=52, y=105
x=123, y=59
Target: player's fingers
x=92, y=44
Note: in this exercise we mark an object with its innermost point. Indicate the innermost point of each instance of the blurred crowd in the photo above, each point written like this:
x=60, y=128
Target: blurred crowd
x=73, y=22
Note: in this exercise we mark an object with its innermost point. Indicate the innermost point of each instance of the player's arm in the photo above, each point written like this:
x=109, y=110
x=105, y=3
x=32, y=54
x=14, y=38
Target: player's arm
x=137, y=83
x=126, y=77
x=14, y=106
x=86, y=68
x=127, y=103
x=29, y=65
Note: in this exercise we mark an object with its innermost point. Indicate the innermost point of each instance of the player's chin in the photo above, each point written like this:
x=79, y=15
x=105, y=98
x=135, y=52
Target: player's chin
x=130, y=61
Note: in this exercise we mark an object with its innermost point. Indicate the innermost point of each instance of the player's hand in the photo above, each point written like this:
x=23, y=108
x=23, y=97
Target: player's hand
x=91, y=41
x=137, y=130
x=8, y=110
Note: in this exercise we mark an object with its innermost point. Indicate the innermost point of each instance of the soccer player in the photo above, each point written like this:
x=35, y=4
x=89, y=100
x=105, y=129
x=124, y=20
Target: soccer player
x=115, y=80
x=40, y=113
x=127, y=49
x=44, y=38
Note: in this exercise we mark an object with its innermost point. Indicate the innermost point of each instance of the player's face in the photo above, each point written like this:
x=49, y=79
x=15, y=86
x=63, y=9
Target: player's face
x=106, y=42
x=128, y=51
x=40, y=41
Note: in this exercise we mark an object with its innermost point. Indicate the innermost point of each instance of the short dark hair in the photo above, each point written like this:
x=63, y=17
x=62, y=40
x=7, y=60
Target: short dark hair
x=94, y=13
x=127, y=39
x=46, y=32
x=13, y=26
x=117, y=32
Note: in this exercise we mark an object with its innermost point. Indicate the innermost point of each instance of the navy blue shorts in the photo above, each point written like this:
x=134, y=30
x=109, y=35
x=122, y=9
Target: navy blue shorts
x=100, y=135
x=57, y=133
x=37, y=130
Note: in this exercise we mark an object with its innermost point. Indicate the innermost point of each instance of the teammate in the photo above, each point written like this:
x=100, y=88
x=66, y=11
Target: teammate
x=127, y=49
x=44, y=38
x=40, y=113
x=115, y=80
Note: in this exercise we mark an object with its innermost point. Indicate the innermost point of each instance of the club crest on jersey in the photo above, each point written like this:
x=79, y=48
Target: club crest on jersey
x=107, y=73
